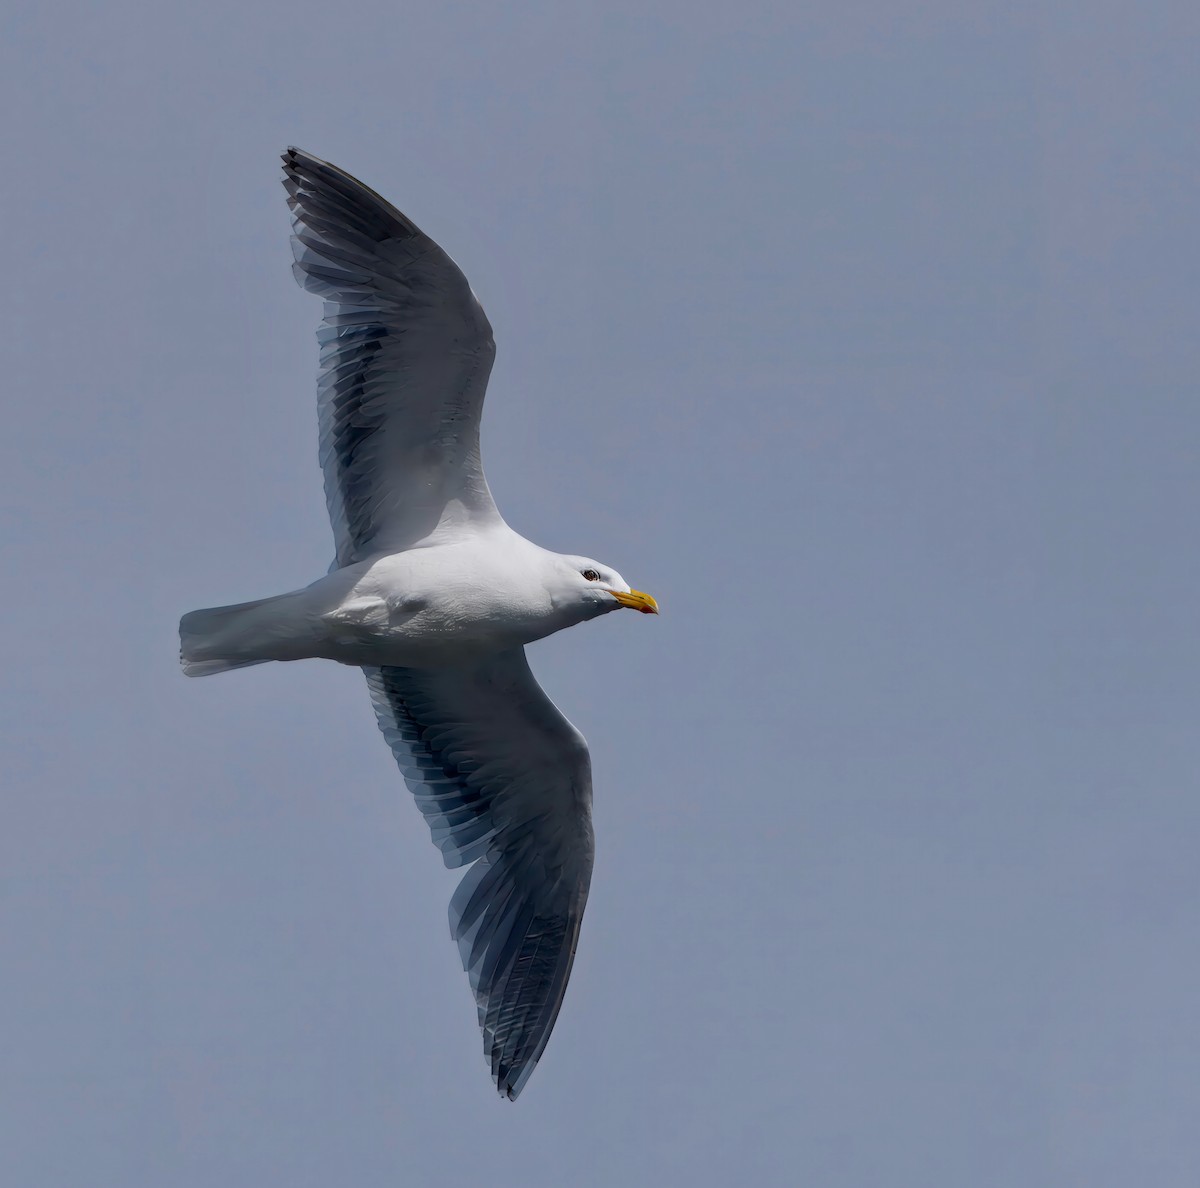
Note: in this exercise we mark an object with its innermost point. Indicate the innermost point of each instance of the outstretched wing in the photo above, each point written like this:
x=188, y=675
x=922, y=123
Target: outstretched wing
x=406, y=351
x=504, y=782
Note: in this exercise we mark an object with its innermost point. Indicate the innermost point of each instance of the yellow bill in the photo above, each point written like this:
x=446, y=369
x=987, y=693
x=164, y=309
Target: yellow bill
x=636, y=600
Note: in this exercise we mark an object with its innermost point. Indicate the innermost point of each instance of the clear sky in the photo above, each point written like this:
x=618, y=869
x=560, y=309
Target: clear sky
x=865, y=337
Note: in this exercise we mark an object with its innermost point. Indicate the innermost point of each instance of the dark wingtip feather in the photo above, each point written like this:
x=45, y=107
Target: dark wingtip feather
x=340, y=194
x=292, y=159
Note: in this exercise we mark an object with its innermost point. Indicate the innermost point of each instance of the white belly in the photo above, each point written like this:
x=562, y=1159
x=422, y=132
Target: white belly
x=412, y=633
x=423, y=609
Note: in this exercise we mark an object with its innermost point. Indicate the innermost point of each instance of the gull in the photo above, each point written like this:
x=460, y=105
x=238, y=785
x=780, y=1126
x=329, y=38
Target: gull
x=434, y=596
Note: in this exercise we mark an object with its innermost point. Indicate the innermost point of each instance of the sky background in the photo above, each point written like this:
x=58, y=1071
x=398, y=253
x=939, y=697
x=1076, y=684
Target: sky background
x=863, y=336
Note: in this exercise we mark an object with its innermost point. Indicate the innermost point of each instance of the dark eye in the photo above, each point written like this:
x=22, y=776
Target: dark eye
x=591, y=575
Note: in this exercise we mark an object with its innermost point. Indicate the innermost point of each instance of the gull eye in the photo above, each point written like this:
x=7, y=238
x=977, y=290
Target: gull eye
x=591, y=575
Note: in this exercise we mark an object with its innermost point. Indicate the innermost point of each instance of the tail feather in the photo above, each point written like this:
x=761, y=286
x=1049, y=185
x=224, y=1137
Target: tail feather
x=209, y=640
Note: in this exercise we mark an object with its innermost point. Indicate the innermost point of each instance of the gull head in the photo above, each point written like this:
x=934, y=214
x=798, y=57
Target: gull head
x=590, y=588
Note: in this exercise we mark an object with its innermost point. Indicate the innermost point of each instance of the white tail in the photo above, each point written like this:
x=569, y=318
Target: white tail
x=211, y=640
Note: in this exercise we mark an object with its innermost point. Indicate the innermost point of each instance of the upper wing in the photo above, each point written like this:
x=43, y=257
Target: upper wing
x=406, y=351
x=505, y=782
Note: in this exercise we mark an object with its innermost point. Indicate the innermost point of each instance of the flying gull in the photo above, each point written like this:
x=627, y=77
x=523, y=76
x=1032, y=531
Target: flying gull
x=434, y=596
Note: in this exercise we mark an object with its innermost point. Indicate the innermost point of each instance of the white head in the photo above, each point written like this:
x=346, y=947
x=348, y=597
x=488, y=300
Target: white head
x=585, y=589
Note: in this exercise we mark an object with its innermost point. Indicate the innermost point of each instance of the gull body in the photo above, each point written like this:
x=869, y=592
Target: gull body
x=434, y=596
x=431, y=606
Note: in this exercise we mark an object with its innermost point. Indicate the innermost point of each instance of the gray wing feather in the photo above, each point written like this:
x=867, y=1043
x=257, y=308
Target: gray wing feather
x=504, y=782
x=406, y=351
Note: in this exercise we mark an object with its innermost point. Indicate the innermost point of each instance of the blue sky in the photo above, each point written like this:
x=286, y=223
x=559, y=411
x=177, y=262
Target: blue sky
x=863, y=337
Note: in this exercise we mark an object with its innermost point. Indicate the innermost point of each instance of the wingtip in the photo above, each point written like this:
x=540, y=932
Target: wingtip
x=303, y=170
x=294, y=158
x=512, y=1080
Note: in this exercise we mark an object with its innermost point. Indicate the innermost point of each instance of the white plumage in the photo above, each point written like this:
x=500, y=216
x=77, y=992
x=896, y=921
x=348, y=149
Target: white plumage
x=434, y=596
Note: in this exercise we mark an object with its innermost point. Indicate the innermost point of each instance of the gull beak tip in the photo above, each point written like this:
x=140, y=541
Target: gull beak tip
x=636, y=600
